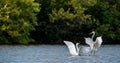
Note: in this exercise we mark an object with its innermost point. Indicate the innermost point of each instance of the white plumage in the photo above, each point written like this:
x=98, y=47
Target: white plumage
x=73, y=49
x=94, y=45
x=76, y=50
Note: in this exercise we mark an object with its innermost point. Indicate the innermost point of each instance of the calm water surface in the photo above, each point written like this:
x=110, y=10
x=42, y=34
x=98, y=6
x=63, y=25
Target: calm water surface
x=55, y=54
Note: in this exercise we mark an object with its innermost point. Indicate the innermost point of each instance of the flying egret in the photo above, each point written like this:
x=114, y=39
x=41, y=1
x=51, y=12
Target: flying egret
x=94, y=45
x=76, y=50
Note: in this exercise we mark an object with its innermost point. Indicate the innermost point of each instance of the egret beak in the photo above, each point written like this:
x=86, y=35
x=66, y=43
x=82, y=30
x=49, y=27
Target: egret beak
x=78, y=43
x=90, y=33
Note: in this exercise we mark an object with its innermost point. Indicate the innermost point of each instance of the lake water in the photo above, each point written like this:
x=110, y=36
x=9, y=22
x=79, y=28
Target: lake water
x=56, y=54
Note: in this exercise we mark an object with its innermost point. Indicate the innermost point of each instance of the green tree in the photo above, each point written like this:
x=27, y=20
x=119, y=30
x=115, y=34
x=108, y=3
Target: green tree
x=17, y=20
x=107, y=21
x=62, y=19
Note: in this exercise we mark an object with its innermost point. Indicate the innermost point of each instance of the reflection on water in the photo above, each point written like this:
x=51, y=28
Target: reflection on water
x=56, y=54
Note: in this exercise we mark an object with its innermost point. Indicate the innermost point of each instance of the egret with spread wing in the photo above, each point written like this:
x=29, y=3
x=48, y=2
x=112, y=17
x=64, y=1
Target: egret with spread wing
x=76, y=50
x=94, y=45
x=73, y=49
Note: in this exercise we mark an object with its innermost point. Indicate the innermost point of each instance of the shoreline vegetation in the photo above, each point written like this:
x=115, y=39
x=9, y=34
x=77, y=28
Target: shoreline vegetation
x=52, y=21
x=53, y=43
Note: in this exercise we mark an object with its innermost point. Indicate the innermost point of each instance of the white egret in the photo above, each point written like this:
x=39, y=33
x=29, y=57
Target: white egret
x=73, y=49
x=76, y=50
x=94, y=45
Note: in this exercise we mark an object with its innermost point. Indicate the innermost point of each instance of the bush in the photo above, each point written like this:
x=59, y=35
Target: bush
x=17, y=20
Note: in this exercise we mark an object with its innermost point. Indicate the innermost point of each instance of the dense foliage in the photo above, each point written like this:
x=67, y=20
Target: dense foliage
x=17, y=19
x=58, y=20
x=108, y=15
x=62, y=20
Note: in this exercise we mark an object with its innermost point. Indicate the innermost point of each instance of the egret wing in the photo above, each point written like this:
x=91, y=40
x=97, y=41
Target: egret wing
x=98, y=43
x=71, y=47
x=90, y=42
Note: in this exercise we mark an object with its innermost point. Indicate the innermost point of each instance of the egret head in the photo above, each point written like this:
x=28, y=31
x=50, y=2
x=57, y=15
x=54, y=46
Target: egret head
x=93, y=32
x=77, y=43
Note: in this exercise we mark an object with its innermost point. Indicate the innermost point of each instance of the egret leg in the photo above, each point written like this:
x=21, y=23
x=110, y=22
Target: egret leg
x=93, y=52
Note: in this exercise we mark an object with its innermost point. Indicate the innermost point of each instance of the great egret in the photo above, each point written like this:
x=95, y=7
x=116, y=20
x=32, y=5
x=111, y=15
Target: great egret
x=73, y=49
x=94, y=45
x=76, y=50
